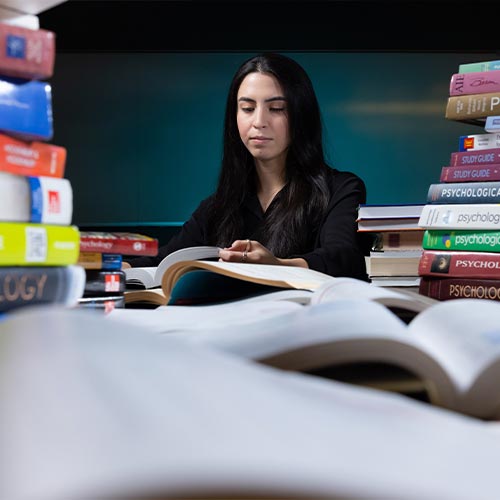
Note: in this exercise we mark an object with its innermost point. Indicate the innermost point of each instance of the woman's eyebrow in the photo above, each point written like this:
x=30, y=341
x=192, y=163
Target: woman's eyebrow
x=271, y=99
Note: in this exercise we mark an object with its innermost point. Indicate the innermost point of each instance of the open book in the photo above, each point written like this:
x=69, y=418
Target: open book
x=452, y=347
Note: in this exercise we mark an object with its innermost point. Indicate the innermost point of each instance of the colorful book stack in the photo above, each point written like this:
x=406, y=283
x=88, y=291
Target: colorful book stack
x=461, y=257
x=101, y=255
x=397, y=243
x=38, y=245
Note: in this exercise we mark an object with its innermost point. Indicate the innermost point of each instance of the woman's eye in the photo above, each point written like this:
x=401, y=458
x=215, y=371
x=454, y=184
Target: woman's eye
x=277, y=110
x=247, y=110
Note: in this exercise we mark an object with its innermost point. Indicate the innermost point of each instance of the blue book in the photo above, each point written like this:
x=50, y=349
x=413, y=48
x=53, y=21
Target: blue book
x=26, y=109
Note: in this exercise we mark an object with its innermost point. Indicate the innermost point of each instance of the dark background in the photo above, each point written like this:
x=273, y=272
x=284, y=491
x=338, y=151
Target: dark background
x=139, y=90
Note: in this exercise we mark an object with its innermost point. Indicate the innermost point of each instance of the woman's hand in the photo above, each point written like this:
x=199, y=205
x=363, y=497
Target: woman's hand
x=252, y=252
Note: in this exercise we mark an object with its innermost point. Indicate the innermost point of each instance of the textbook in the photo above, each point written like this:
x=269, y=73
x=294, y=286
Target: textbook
x=26, y=109
x=461, y=239
x=382, y=211
x=95, y=411
x=26, y=53
x=460, y=216
x=97, y=260
x=459, y=158
x=27, y=286
x=479, y=66
x=473, y=108
x=471, y=173
x=474, y=82
x=31, y=158
x=477, y=142
x=124, y=243
x=38, y=244
x=150, y=277
x=48, y=200
x=464, y=192
x=101, y=282
x=460, y=288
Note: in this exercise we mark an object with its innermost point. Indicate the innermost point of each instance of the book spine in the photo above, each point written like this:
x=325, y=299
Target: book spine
x=26, y=109
x=31, y=158
x=477, y=82
x=465, y=158
x=464, y=192
x=458, y=264
x=471, y=173
x=104, y=261
x=100, y=282
x=464, y=240
x=23, y=286
x=47, y=200
x=459, y=288
x=23, y=244
x=479, y=66
x=473, y=106
x=16, y=18
x=137, y=245
x=106, y=304
x=477, y=142
x=460, y=216
x=26, y=53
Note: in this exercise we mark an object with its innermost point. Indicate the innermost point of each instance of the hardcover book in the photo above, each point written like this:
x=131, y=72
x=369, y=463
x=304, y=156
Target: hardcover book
x=26, y=286
x=101, y=282
x=471, y=173
x=389, y=211
x=462, y=239
x=459, y=288
x=25, y=244
x=465, y=158
x=47, y=200
x=16, y=18
x=464, y=192
x=97, y=260
x=26, y=53
x=460, y=216
x=473, y=108
x=399, y=240
x=124, y=243
x=492, y=124
x=393, y=263
x=459, y=264
x=479, y=66
x=476, y=142
x=31, y=158
x=477, y=82
x=26, y=109
x=106, y=303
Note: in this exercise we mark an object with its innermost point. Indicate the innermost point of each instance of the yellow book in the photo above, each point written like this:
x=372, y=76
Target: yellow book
x=31, y=244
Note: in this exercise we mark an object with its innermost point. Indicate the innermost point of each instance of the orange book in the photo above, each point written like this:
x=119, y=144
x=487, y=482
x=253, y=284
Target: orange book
x=31, y=158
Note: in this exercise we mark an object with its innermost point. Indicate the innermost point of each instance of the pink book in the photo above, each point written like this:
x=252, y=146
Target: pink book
x=26, y=53
x=477, y=82
x=484, y=156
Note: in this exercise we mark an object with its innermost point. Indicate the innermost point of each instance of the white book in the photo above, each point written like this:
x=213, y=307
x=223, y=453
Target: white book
x=90, y=411
x=47, y=200
x=388, y=211
x=460, y=216
x=30, y=6
x=15, y=18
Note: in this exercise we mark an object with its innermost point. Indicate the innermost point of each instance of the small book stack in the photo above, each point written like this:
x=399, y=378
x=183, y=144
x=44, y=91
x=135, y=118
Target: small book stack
x=101, y=255
x=38, y=245
x=461, y=218
x=397, y=243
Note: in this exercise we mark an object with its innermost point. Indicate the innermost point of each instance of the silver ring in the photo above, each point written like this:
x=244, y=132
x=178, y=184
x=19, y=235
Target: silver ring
x=244, y=256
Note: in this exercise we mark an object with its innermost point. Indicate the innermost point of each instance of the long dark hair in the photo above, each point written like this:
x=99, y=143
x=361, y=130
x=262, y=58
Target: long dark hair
x=299, y=207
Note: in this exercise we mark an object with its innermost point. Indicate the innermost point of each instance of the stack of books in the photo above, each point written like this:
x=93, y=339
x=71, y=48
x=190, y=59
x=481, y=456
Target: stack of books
x=397, y=243
x=461, y=257
x=38, y=245
x=101, y=255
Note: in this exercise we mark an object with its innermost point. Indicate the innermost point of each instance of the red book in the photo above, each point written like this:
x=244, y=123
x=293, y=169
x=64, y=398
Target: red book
x=31, y=158
x=476, y=82
x=459, y=264
x=118, y=242
x=459, y=288
x=26, y=53
x=480, y=157
x=471, y=173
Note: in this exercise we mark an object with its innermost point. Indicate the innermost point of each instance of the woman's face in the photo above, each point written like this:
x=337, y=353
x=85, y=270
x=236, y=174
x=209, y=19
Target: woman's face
x=262, y=117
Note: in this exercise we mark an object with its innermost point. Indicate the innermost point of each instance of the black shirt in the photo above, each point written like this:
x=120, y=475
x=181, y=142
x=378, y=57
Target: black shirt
x=335, y=248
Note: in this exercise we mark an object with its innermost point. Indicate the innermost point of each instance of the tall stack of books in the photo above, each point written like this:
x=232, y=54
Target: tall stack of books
x=461, y=257
x=38, y=245
x=397, y=243
x=101, y=255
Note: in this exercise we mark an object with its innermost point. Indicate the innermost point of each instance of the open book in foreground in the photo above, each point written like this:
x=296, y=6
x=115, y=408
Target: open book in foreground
x=453, y=346
x=83, y=419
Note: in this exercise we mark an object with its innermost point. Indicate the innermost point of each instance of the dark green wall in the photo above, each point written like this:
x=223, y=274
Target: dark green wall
x=143, y=130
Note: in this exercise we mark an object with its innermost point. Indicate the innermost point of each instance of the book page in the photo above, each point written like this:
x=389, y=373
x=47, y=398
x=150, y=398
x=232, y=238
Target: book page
x=464, y=336
x=284, y=276
x=141, y=275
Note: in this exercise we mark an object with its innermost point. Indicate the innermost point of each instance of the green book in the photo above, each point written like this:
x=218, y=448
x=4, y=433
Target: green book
x=32, y=244
x=479, y=66
x=469, y=240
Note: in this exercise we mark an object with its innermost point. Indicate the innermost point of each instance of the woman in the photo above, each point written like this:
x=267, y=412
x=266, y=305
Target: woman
x=277, y=201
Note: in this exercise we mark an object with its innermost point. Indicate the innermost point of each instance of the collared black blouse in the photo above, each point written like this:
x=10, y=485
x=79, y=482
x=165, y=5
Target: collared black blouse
x=335, y=248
